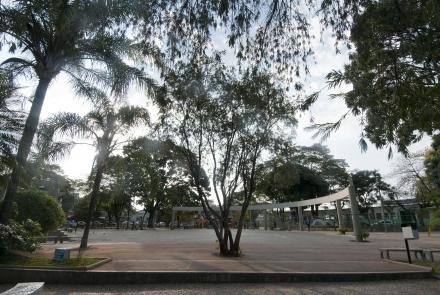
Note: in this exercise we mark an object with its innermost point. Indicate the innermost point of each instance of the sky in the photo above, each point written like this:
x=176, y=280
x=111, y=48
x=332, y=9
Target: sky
x=343, y=144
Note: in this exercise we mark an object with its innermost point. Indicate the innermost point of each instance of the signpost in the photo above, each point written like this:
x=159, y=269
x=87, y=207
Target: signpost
x=409, y=233
x=61, y=254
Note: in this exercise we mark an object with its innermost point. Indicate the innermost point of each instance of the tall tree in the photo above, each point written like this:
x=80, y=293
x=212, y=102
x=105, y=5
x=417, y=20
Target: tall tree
x=105, y=125
x=157, y=173
x=288, y=182
x=429, y=186
x=318, y=159
x=394, y=71
x=115, y=184
x=370, y=188
x=229, y=122
x=84, y=39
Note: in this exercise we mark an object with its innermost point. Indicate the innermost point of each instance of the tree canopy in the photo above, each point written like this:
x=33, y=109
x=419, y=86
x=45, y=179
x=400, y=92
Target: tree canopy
x=394, y=72
x=40, y=207
x=227, y=120
x=297, y=173
x=370, y=189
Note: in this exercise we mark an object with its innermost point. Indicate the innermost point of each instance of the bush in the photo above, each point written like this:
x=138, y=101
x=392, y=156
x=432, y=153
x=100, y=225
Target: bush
x=342, y=230
x=40, y=207
x=434, y=221
x=364, y=236
x=21, y=237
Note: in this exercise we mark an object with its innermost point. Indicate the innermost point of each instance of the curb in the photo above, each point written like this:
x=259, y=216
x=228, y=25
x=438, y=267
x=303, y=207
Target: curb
x=174, y=277
x=421, y=267
x=66, y=268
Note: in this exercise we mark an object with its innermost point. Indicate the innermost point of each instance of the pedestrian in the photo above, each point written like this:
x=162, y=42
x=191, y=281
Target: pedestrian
x=308, y=223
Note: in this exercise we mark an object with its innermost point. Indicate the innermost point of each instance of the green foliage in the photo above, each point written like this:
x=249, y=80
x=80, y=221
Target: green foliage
x=394, y=71
x=11, y=124
x=86, y=40
x=369, y=188
x=73, y=33
x=432, y=161
x=229, y=121
x=40, y=207
x=158, y=173
x=24, y=261
x=19, y=236
x=107, y=120
x=434, y=220
x=81, y=208
x=428, y=186
x=297, y=173
x=342, y=230
x=50, y=178
x=364, y=235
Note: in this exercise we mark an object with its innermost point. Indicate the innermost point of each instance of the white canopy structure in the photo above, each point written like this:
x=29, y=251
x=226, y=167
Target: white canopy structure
x=347, y=193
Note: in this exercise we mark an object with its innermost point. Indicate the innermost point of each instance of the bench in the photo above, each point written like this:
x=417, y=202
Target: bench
x=430, y=253
x=59, y=239
x=25, y=288
x=388, y=250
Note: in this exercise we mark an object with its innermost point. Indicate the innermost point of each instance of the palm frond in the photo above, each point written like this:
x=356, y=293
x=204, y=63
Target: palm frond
x=130, y=116
x=54, y=151
x=68, y=125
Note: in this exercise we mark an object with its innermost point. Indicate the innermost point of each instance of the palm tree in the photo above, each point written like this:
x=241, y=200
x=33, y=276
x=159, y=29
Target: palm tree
x=11, y=124
x=84, y=39
x=104, y=125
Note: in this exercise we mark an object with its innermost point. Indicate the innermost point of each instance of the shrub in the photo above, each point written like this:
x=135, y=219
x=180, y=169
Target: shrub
x=342, y=230
x=22, y=237
x=40, y=207
x=434, y=221
x=364, y=235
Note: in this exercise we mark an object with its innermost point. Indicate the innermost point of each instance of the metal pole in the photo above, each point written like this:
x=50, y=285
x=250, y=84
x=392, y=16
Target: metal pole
x=383, y=214
x=407, y=251
x=300, y=218
x=265, y=219
x=173, y=219
x=354, y=210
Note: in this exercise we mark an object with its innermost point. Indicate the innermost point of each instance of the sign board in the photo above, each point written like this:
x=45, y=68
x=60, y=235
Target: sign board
x=61, y=254
x=409, y=233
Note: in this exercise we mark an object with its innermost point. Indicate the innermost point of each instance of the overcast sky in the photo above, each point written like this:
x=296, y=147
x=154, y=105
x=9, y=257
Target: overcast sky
x=343, y=144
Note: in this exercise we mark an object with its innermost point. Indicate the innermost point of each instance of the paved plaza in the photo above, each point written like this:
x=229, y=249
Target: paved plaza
x=264, y=251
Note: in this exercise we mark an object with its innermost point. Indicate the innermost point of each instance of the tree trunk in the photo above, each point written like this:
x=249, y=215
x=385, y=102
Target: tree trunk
x=24, y=148
x=151, y=211
x=118, y=222
x=143, y=219
x=93, y=202
x=128, y=218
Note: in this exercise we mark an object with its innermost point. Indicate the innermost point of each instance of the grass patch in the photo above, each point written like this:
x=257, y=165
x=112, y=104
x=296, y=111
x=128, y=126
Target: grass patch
x=435, y=265
x=24, y=261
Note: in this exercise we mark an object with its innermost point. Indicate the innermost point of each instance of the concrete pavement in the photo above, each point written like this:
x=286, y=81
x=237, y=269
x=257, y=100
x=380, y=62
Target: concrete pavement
x=264, y=251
